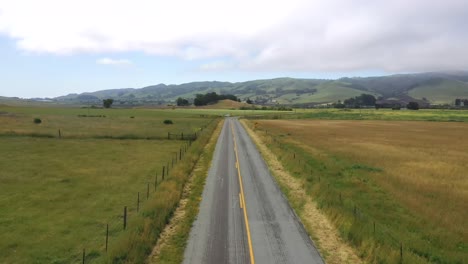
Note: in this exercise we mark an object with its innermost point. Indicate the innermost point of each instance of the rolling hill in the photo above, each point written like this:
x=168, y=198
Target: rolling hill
x=434, y=88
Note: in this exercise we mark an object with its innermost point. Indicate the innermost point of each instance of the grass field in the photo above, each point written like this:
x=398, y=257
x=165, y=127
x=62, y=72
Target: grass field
x=370, y=114
x=57, y=195
x=408, y=179
x=103, y=123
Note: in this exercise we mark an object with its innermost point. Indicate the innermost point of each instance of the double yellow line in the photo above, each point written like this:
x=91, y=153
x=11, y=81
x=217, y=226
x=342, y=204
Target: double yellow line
x=242, y=199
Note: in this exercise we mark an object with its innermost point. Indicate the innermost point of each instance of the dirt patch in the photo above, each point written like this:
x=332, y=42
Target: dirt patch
x=330, y=245
x=171, y=228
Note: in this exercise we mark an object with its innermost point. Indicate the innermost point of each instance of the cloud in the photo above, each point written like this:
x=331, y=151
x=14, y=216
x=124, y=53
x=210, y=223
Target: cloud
x=263, y=35
x=114, y=62
x=217, y=66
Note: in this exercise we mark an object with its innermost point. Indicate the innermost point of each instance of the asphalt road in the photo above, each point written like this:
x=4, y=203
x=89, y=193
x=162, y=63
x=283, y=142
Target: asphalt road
x=244, y=217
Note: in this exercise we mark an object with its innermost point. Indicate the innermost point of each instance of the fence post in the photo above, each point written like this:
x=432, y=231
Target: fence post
x=60, y=134
x=401, y=252
x=155, y=181
x=374, y=227
x=167, y=169
x=168, y=135
x=84, y=255
x=172, y=162
x=147, y=192
x=138, y=202
x=107, y=235
x=163, y=173
x=125, y=218
x=180, y=154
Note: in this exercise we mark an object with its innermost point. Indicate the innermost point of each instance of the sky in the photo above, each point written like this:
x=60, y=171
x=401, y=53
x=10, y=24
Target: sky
x=50, y=48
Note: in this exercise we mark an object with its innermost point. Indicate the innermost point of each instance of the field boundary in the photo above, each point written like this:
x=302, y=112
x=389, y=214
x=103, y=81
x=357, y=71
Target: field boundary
x=123, y=229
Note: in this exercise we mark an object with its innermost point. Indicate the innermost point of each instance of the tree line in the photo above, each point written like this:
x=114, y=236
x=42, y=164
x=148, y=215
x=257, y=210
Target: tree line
x=206, y=99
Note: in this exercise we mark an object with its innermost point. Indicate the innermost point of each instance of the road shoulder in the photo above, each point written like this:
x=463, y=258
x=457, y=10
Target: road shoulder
x=173, y=240
x=319, y=227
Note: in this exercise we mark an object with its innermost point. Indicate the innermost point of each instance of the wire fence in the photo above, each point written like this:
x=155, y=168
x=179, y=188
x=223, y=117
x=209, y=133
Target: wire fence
x=99, y=245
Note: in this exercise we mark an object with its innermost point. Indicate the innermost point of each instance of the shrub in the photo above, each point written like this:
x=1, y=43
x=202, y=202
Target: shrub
x=37, y=120
x=413, y=106
x=168, y=122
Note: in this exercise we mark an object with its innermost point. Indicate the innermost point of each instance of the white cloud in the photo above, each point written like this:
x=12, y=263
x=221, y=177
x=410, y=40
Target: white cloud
x=300, y=35
x=217, y=66
x=115, y=62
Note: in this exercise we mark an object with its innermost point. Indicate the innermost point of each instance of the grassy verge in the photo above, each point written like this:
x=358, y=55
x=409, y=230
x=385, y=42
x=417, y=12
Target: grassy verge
x=386, y=201
x=137, y=242
x=171, y=250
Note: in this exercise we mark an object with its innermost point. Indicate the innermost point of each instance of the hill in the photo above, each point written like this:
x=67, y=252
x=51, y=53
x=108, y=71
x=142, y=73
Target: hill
x=435, y=88
x=226, y=104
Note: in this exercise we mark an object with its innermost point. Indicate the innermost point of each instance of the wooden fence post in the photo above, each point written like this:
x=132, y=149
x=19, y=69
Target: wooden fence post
x=107, y=235
x=155, y=181
x=125, y=218
x=147, y=192
x=163, y=173
x=138, y=202
x=84, y=255
x=401, y=252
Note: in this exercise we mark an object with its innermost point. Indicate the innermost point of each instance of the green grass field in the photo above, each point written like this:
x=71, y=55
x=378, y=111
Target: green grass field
x=104, y=123
x=371, y=114
x=58, y=195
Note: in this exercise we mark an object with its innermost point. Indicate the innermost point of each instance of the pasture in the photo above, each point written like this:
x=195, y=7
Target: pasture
x=370, y=114
x=394, y=189
x=58, y=194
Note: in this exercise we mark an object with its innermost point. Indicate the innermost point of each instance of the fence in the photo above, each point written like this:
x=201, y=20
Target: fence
x=98, y=246
x=182, y=136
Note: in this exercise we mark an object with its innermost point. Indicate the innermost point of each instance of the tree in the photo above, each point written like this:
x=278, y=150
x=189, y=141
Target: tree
x=362, y=100
x=199, y=100
x=107, y=102
x=182, y=101
x=211, y=98
x=248, y=101
x=413, y=106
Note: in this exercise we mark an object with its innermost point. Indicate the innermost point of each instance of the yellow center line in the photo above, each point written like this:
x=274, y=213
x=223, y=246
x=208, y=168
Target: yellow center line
x=242, y=199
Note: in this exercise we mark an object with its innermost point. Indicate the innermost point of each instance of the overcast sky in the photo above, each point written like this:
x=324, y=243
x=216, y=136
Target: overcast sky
x=55, y=47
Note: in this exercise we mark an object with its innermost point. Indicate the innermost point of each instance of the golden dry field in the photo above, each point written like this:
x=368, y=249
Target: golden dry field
x=421, y=166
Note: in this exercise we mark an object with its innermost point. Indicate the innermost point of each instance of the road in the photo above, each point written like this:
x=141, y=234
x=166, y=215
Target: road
x=244, y=217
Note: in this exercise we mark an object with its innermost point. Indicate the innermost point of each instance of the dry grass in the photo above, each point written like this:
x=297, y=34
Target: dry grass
x=422, y=166
x=331, y=246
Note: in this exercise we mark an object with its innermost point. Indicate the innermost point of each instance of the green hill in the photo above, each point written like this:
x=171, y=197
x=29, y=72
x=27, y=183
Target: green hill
x=436, y=88
x=441, y=91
